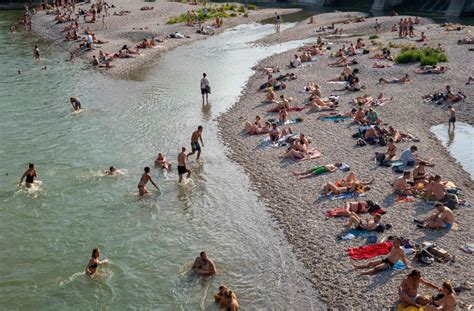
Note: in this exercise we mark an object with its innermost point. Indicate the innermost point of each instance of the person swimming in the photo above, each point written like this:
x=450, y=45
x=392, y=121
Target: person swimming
x=29, y=175
x=75, y=103
x=203, y=265
x=161, y=163
x=112, y=171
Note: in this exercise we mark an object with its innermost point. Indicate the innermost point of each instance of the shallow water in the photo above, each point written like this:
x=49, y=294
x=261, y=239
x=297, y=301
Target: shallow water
x=459, y=143
x=47, y=235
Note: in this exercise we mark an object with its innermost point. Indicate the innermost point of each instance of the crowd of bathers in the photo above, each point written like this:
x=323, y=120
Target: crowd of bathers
x=414, y=183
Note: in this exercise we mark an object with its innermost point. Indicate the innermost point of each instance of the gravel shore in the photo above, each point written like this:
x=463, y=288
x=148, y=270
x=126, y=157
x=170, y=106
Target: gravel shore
x=296, y=204
x=132, y=28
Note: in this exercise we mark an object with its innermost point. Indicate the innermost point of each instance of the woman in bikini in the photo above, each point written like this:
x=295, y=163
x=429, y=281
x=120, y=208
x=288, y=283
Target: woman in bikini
x=298, y=150
x=94, y=262
x=419, y=174
x=350, y=184
x=30, y=175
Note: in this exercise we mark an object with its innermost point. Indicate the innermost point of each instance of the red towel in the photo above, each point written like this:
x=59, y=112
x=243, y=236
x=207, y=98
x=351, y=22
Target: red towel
x=369, y=251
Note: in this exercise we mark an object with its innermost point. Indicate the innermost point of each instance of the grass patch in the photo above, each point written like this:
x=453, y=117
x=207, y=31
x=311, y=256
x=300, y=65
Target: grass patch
x=426, y=56
x=252, y=7
x=373, y=37
x=222, y=11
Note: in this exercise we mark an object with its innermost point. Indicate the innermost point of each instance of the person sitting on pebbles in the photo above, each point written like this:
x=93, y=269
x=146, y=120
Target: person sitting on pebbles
x=396, y=254
x=358, y=223
x=443, y=218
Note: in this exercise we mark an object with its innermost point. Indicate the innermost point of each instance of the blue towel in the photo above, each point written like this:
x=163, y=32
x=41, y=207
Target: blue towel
x=399, y=265
x=345, y=195
x=335, y=118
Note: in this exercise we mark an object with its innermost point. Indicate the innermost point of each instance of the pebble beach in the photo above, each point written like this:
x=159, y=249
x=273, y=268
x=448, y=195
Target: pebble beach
x=297, y=205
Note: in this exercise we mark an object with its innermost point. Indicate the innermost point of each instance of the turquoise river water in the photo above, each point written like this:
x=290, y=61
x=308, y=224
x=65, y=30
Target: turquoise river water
x=47, y=235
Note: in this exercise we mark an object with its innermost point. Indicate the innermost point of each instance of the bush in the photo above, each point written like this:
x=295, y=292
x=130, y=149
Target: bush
x=242, y=9
x=246, y=14
x=212, y=12
x=373, y=37
x=426, y=56
x=252, y=7
x=233, y=14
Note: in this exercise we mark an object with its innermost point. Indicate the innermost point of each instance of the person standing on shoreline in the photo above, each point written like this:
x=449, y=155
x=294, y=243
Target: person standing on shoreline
x=195, y=138
x=452, y=118
x=205, y=89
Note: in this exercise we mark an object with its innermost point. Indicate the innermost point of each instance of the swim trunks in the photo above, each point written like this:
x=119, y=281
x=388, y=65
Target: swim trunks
x=182, y=170
x=195, y=146
x=448, y=226
x=388, y=262
x=204, y=91
x=318, y=170
x=452, y=120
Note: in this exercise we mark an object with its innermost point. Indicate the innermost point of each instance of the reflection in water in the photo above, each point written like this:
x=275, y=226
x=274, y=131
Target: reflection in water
x=458, y=142
x=450, y=137
x=206, y=112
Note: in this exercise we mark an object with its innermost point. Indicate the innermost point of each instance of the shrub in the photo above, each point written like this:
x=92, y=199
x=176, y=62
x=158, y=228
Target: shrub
x=242, y=9
x=246, y=14
x=252, y=7
x=426, y=56
x=373, y=37
x=233, y=14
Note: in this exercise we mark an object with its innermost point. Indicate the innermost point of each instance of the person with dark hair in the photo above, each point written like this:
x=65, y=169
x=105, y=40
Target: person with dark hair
x=452, y=118
x=112, y=171
x=400, y=186
x=408, y=290
x=233, y=304
x=447, y=302
x=443, y=218
x=396, y=254
x=205, y=89
x=94, y=262
x=30, y=175
x=359, y=223
x=203, y=265
x=436, y=190
x=408, y=156
x=195, y=138
x=142, y=190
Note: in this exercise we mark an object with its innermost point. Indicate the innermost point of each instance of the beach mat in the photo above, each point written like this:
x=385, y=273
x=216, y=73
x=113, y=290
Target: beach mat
x=346, y=195
x=334, y=119
x=369, y=251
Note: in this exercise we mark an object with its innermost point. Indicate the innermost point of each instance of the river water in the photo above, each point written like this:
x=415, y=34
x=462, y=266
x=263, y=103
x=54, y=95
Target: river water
x=47, y=235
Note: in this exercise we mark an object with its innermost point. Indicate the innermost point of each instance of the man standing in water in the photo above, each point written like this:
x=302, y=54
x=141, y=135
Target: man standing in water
x=30, y=175
x=195, y=137
x=205, y=88
x=203, y=265
x=182, y=169
x=36, y=53
x=142, y=190
x=452, y=118
x=76, y=103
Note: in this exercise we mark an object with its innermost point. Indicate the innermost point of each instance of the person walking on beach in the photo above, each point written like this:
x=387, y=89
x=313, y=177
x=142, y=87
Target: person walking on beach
x=452, y=118
x=205, y=89
x=142, y=190
x=277, y=20
x=182, y=169
x=195, y=138
x=104, y=24
x=30, y=175
x=36, y=53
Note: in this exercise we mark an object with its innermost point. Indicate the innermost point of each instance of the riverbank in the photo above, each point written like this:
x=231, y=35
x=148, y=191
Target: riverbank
x=296, y=204
x=131, y=28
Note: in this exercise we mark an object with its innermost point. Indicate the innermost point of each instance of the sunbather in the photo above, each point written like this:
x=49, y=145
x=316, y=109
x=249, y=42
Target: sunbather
x=346, y=186
x=396, y=254
x=380, y=65
x=358, y=223
x=318, y=170
x=256, y=127
x=431, y=70
x=404, y=79
x=401, y=186
x=298, y=150
x=447, y=302
x=436, y=190
x=443, y=218
x=349, y=114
